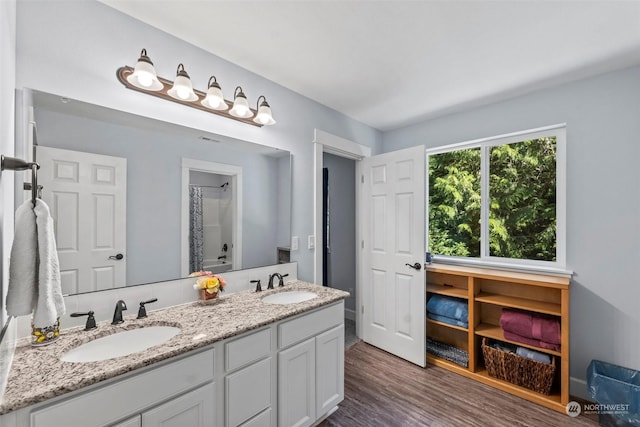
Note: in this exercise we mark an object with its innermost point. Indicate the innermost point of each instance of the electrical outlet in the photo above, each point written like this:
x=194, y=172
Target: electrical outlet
x=311, y=240
x=294, y=243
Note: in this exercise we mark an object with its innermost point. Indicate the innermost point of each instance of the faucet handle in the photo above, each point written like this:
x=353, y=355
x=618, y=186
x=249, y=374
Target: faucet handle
x=142, y=311
x=282, y=276
x=91, y=321
x=258, y=286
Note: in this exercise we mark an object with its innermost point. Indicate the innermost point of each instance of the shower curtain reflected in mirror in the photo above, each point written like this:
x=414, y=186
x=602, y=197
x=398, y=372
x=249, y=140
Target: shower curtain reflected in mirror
x=196, y=233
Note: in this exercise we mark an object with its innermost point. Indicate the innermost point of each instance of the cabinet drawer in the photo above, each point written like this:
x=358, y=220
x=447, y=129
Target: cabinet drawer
x=194, y=409
x=309, y=325
x=128, y=396
x=247, y=349
x=248, y=392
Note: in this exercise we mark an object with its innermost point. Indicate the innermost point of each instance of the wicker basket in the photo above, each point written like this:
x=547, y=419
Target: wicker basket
x=534, y=375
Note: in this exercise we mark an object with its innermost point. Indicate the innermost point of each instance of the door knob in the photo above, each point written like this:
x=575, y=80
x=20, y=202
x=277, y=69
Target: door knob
x=417, y=266
x=117, y=257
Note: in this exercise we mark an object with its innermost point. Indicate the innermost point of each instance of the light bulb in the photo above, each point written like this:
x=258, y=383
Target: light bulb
x=182, y=92
x=241, y=110
x=262, y=118
x=145, y=79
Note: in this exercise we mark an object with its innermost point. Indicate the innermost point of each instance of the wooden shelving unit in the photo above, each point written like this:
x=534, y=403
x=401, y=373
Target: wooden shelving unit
x=487, y=292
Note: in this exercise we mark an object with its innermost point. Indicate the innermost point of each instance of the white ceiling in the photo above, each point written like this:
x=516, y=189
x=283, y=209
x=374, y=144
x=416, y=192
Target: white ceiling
x=393, y=63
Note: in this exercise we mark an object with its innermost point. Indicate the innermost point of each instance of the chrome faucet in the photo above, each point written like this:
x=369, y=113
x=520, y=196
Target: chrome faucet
x=117, y=314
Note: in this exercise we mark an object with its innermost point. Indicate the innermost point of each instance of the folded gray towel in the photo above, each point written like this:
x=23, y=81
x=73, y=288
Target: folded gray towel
x=533, y=355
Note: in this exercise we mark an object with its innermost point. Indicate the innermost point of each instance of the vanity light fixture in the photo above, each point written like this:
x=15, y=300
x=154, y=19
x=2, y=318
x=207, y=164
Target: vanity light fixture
x=144, y=75
x=214, y=99
x=143, y=79
x=182, y=88
x=240, y=105
x=263, y=116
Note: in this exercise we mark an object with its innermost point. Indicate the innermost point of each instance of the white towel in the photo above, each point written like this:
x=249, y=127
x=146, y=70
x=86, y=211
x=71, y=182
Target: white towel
x=34, y=271
x=22, y=293
x=50, y=305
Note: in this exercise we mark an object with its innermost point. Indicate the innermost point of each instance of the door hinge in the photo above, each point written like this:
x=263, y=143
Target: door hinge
x=362, y=178
x=362, y=244
x=362, y=309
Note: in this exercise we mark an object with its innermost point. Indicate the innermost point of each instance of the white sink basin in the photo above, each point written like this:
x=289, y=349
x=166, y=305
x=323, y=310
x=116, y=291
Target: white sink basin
x=120, y=344
x=289, y=297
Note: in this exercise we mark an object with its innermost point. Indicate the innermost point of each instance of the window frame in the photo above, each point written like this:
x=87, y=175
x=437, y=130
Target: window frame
x=486, y=259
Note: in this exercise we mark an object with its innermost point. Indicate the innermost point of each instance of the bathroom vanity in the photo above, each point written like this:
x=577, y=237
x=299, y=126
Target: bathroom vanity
x=236, y=362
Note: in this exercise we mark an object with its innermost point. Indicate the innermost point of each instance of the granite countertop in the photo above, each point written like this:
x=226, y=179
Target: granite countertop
x=37, y=373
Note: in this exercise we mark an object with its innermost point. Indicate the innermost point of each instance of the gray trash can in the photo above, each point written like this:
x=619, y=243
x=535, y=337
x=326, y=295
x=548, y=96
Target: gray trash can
x=617, y=391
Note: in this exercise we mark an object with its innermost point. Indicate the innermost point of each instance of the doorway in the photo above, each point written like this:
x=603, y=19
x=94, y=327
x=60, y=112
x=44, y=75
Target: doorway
x=339, y=232
x=325, y=142
x=223, y=183
x=210, y=222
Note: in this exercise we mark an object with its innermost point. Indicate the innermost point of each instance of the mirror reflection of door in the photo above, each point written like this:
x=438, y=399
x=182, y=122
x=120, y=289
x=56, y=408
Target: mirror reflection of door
x=87, y=196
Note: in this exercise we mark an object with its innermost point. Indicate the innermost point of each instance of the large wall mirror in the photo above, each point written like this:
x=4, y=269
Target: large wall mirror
x=136, y=201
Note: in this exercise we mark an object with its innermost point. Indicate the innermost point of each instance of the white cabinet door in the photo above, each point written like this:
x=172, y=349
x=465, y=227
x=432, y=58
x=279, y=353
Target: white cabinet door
x=131, y=422
x=261, y=420
x=248, y=392
x=329, y=369
x=297, y=385
x=193, y=409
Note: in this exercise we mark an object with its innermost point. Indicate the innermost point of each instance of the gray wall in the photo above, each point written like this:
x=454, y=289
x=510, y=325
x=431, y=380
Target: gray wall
x=603, y=204
x=154, y=189
x=342, y=230
x=77, y=53
x=7, y=81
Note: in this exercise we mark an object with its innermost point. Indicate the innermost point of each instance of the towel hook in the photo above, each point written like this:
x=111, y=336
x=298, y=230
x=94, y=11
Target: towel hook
x=15, y=164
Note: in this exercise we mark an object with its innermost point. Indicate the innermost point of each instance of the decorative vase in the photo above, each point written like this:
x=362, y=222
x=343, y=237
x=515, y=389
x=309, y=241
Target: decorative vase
x=44, y=336
x=204, y=295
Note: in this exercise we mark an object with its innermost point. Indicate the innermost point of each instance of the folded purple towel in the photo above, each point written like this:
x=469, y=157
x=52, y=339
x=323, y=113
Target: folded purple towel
x=535, y=326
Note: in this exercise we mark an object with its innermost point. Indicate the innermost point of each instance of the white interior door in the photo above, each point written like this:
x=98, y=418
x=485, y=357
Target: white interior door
x=87, y=195
x=392, y=213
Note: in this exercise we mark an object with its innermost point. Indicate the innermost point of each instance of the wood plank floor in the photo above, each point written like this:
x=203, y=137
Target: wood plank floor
x=384, y=390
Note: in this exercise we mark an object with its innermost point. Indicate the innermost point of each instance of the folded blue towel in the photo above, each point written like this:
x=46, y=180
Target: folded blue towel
x=533, y=355
x=454, y=308
x=449, y=320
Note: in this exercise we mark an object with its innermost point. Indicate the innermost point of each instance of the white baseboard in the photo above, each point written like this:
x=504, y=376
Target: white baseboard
x=350, y=314
x=578, y=388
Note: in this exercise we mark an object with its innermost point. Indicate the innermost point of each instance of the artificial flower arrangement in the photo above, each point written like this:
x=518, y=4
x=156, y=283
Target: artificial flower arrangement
x=208, y=284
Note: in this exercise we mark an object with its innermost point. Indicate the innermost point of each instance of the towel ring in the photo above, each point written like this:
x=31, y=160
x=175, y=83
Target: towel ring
x=15, y=164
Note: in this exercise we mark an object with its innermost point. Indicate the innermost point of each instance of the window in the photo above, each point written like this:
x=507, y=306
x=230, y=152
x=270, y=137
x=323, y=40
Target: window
x=499, y=199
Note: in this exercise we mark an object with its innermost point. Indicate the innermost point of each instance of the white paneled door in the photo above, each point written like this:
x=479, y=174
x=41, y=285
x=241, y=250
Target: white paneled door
x=392, y=213
x=87, y=195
